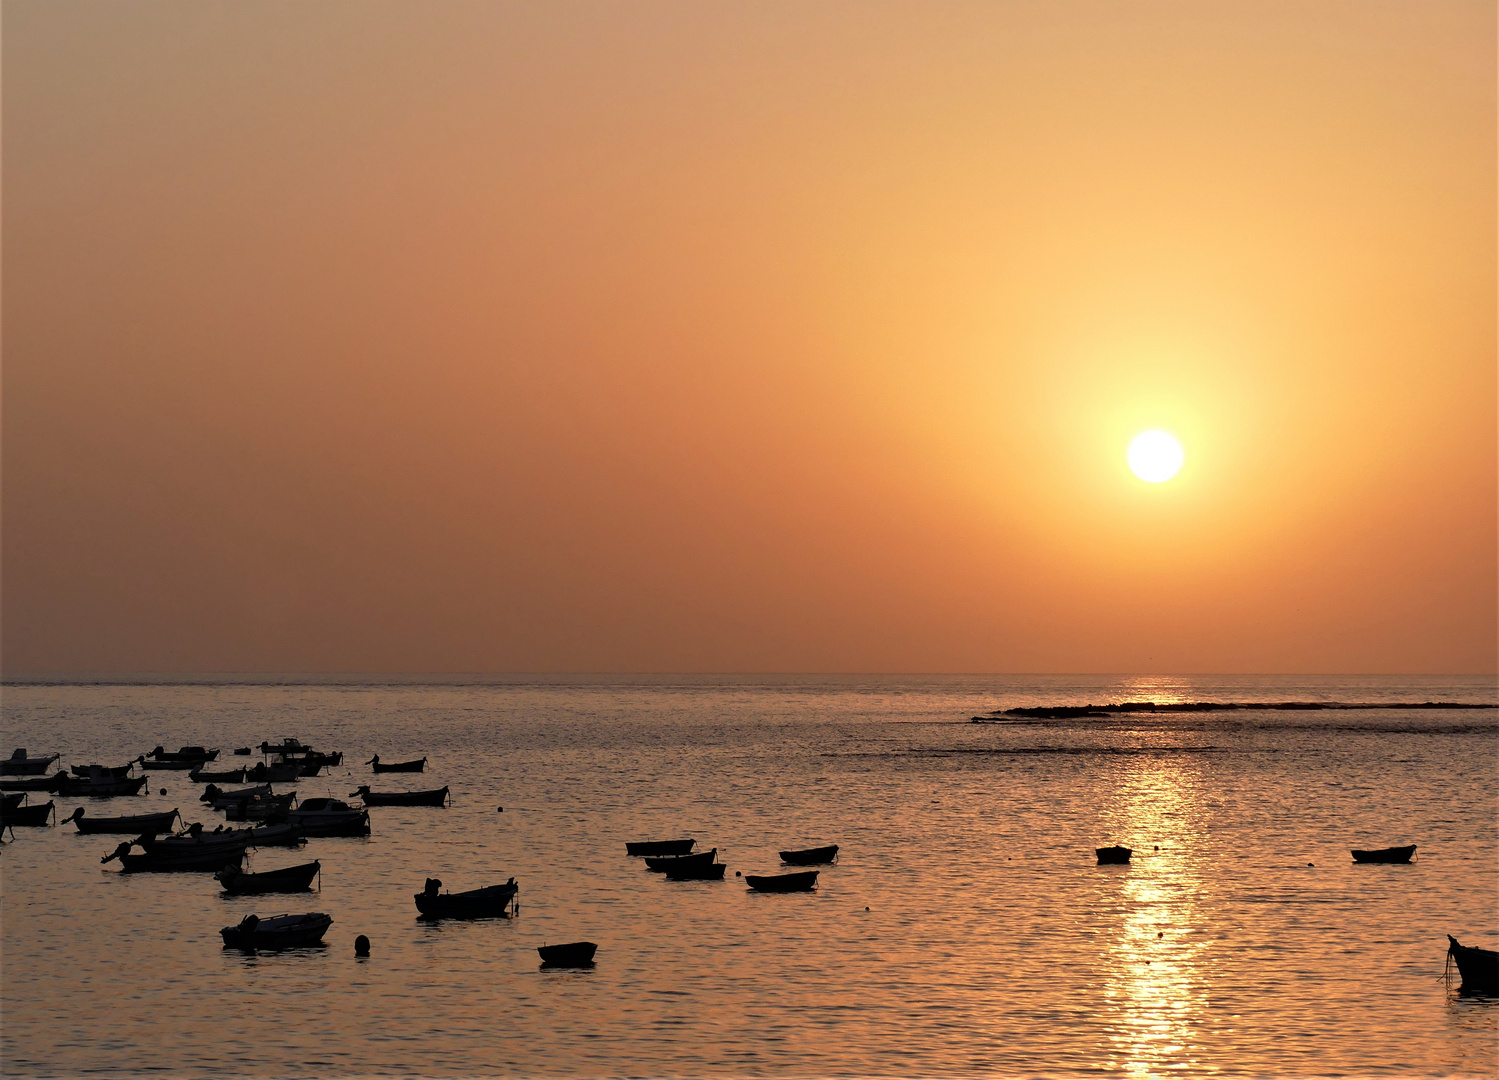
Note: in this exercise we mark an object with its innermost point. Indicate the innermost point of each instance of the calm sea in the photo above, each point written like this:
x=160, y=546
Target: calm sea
x=965, y=930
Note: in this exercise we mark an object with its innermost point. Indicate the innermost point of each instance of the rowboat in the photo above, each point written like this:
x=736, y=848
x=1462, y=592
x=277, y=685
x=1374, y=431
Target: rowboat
x=129, y=825
x=33, y=816
x=283, y=772
x=659, y=847
x=1478, y=967
x=329, y=817
x=696, y=871
x=241, y=751
x=662, y=863
x=170, y=764
x=264, y=808
x=287, y=879
x=1113, y=856
x=277, y=932
x=397, y=766
x=573, y=954
x=207, y=860
x=277, y=836
x=19, y=764
x=10, y=802
x=186, y=753
x=811, y=856
x=435, y=797
x=33, y=783
x=1385, y=855
x=802, y=882
x=490, y=902
x=313, y=762
x=218, y=799
x=98, y=789
x=223, y=776
x=193, y=840
x=102, y=772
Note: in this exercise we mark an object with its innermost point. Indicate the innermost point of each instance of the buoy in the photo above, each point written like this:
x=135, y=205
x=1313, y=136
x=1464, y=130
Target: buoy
x=738, y=874
x=361, y=946
x=866, y=909
x=1156, y=848
x=163, y=791
x=1311, y=864
x=501, y=810
x=1161, y=934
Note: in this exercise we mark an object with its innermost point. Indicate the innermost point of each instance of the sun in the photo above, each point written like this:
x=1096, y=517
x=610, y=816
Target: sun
x=1155, y=456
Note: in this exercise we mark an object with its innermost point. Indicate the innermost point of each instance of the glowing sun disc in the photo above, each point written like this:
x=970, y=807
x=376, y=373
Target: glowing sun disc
x=1155, y=456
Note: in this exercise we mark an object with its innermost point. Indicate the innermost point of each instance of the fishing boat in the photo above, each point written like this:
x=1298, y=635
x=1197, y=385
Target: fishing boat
x=659, y=847
x=241, y=751
x=281, y=772
x=26, y=816
x=329, y=817
x=75, y=787
x=129, y=825
x=1113, y=856
x=662, y=863
x=490, y=902
x=218, y=799
x=207, y=860
x=287, y=747
x=186, y=753
x=816, y=856
x=282, y=835
x=801, y=882
x=223, y=776
x=104, y=772
x=1385, y=855
x=397, y=766
x=1478, y=967
x=10, y=802
x=696, y=871
x=33, y=783
x=288, y=879
x=573, y=954
x=277, y=932
x=21, y=764
x=193, y=839
x=268, y=809
x=436, y=797
x=314, y=762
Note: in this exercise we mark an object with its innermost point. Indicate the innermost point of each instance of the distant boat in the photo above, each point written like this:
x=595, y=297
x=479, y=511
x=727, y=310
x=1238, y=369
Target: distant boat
x=285, y=747
x=33, y=783
x=20, y=764
x=397, y=766
x=242, y=751
x=659, y=847
x=277, y=932
x=811, y=856
x=223, y=776
x=194, y=839
x=186, y=753
x=276, y=836
x=573, y=954
x=435, y=797
x=129, y=825
x=801, y=882
x=1385, y=855
x=1113, y=856
x=217, y=798
x=288, y=879
x=98, y=789
x=208, y=860
x=1478, y=967
x=10, y=802
x=329, y=817
x=270, y=809
x=662, y=863
x=104, y=772
x=490, y=902
x=282, y=772
x=32, y=816
x=696, y=871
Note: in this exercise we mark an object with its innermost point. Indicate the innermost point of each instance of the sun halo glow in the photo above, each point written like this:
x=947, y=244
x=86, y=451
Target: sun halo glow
x=1155, y=456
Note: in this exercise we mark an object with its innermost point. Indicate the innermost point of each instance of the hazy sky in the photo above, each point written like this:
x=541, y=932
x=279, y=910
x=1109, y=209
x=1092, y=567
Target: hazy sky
x=748, y=337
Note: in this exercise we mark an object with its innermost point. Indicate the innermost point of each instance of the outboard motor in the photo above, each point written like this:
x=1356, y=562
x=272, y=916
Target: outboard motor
x=433, y=884
x=210, y=793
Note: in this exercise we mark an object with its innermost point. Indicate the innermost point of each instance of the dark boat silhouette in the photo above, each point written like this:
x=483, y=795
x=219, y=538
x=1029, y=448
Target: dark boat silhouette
x=206, y=860
x=435, y=797
x=277, y=932
x=816, y=856
x=30, y=816
x=223, y=776
x=34, y=783
x=1113, y=856
x=329, y=817
x=696, y=871
x=802, y=882
x=21, y=764
x=287, y=879
x=396, y=766
x=573, y=954
x=128, y=825
x=1385, y=855
x=101, y=772
x=242, y=751
x=10, y=802
x=98, y=789
x=490, y=902
x=661, y=864
x=659, y=847
x=219, y=799
x=283, y=835
x=1478, y=967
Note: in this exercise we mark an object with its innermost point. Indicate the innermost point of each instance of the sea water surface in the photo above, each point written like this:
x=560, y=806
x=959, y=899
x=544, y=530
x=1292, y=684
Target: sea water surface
x=965, y=930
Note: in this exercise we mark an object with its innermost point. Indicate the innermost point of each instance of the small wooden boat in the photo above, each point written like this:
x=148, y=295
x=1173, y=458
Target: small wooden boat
x=223, y=776
x=207, y=860
x=98, y=789
x=288, y=879
x=329, y=817
x=1113, y=856
x=397, y=766
x=659, y=847
x=186, y=753
x=314, y=762
x=286, y=747
x=284, y=772
x=436, y=797
x=802, y=882
x=277, y=932
x=219, y=799
x=241, y=751
x=490, y=902
x=129, y=825
x=283, y=835
x=1385, y=855
x=1478, y=967
x=103, y=772
x=193, y=839
x=20, y=764
x=816, y=856
x=573, y=954
x=268, y=809
x=696, y=871
x=10, y=802
x=26, y=816
x=662, y=863
x=34, y=783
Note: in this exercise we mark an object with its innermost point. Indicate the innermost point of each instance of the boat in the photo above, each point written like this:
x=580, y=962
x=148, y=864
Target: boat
x=816, y=856
x=223, y=776
x=1113, y=856
x=74, y=786
x=193, y=840
x=241, y=751
x=1385, y=855
x=269, y=809
x=20, y=764
x=436, y=797
x=186, y=753
x=397, y=766
x=662, y=863
x=129, y=825
x=285, y=748
x=218, y=799
x=573, y=954
x=104, y=772
x=282, y=772
x=34, y=783
x=288, y=879
x=32, y=816
x=1478, y=967
x=659, y=847
x=173, y=765
x=277, y=932
x=10, y=802
x=801, y=882
x=490, y=902
x=208, y=860
x=696, y=871
x=329, y=817
x=282, y=835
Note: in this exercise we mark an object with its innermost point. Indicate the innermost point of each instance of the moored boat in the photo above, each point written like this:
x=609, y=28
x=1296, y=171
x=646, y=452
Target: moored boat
x=206, y=860
x=287, y=879
x=277, y=932
x=186, y=753
x=659, y=847
x=77, y=787
x=1385, y=855
x=802, y=882
x=816, y=856
x=696, y=871
x=435, y=797
x=10, y=802
x=21, y=764
x=329, y=817
x=277, y=836
x=26, y=816
x=280, y=772
x=128, y=825
x=33, y=783
x=223, y=776
x=103, y=772
x=396, y=766
x=1113, y=856
x=573, y=954
x=662, y=863
x=490, y=902
x=219, y=799
x=1478, y=967
x=270, y=809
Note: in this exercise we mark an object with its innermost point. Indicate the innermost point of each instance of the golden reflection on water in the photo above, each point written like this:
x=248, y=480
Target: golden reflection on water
x=1161, y=690
x=1156, y=990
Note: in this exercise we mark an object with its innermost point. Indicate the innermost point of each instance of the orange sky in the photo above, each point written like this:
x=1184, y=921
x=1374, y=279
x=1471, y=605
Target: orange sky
x=727, y=337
